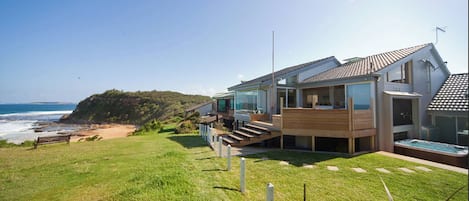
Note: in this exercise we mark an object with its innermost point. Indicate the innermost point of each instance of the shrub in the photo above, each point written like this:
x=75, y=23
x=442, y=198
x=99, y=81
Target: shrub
x=153, y=125
x=185, y=127
x=92, y=138
x=5, y=144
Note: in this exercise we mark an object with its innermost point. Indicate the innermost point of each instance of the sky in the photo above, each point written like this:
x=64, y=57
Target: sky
x=68, y=50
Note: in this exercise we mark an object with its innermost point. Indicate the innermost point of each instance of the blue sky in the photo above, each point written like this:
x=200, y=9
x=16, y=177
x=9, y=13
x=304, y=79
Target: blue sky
x=68, y=50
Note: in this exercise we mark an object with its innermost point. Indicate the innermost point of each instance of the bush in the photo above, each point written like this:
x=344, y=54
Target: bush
x=5, y=144
x=185, y=127
x=92, y=138
x=153, y=125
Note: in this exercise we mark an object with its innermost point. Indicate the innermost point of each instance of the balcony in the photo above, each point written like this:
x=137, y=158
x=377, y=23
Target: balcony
x=327, y=123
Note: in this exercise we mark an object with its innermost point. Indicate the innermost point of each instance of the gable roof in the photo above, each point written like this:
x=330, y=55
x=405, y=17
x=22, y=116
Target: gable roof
x=365, y=66
x=282, y=72
x=453, y=95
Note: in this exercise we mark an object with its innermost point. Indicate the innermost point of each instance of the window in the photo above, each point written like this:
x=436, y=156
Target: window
x=339, y=97
x=401, y=74
x=221, y=105
x=402, y=112
x=246, y=100
x=361, y=95
x=463, y=124
x=322, y=95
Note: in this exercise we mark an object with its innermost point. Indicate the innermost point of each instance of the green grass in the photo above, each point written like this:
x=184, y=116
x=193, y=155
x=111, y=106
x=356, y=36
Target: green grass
x=182, y=167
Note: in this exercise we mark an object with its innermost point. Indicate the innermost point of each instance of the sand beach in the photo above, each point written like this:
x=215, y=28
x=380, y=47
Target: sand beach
x=106, y=131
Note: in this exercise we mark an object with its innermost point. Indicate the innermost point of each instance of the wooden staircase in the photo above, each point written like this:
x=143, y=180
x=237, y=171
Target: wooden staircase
x=251, y=133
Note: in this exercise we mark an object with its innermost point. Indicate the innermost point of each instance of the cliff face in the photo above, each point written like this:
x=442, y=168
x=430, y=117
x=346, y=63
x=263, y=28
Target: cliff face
x=115, y=106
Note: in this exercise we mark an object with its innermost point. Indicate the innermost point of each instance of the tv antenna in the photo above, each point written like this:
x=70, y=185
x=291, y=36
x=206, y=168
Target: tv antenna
x=442, y=29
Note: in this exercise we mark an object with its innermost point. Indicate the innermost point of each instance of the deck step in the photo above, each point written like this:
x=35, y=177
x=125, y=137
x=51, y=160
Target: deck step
x=229, y=140
x=236, y=137
x=257, y=127
x=244, y=134
x=252, y=131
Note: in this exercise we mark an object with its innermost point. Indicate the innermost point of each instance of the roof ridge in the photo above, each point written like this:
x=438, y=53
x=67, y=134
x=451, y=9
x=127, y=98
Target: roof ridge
x=399, y=50
x=362, y=67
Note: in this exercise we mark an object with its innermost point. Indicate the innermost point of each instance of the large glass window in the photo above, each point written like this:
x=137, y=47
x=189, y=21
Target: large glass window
x=246, y=100
x=232, y=104
x=289, y=98
x=221, y=105
x=261, y=101
x=463, y=124
x=402, y=112
x=339, y=97
x=400, y=74
x=322, y=95
x=361, y=95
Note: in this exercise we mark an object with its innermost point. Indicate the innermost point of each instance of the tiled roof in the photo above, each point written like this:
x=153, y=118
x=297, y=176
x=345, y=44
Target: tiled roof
x=453, y=95
x=280, y=73
x=367, y=65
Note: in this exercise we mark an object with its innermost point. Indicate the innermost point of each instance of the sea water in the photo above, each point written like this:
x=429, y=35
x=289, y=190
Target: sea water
x=17, y=121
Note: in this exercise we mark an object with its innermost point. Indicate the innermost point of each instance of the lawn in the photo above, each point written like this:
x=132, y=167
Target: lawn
x=181, y=167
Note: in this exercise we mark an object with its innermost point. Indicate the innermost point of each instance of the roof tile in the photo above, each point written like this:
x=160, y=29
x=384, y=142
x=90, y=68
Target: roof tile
x=453, y=95
x=363, y=66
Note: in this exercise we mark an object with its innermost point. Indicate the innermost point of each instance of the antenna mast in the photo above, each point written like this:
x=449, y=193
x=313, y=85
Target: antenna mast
x=436, y=32
x=272, y=96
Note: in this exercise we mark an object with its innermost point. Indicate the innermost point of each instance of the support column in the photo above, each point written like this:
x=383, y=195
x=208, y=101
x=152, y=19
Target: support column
x=299, y=99
x=350, y=145
x=313, y=143
x=372, y=139
x=281, y=124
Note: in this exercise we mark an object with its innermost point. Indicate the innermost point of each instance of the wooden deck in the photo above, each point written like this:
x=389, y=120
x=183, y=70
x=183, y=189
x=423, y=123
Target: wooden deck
x=341, y=123
x=334, y=123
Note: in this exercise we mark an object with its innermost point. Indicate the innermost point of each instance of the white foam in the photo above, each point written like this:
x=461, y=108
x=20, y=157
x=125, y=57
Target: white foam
x=18, y=127
x=15, y=126
x=37, y=113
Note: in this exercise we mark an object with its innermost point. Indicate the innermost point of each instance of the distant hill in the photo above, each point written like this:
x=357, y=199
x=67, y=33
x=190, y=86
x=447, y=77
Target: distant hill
x=114, y=106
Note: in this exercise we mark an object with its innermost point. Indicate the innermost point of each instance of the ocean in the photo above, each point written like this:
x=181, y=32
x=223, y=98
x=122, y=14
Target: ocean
x=18, y=121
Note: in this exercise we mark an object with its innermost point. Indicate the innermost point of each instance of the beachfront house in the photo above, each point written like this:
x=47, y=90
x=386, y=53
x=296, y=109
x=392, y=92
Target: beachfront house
x=364, y=104
x=449, y=109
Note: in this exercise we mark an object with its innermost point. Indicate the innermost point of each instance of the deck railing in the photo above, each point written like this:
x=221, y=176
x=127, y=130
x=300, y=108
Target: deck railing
x=304, y=120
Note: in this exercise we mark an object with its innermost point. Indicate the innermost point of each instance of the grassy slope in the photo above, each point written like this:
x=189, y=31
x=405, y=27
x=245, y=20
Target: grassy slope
x=181, y=167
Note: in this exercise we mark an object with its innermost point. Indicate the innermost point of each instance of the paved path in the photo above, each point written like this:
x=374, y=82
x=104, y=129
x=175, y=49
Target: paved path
x=424, y=162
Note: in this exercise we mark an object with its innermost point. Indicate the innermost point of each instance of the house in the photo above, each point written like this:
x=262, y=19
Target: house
x=364, y=104
x=449, y=111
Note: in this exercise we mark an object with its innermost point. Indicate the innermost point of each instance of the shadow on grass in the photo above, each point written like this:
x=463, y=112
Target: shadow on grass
x=201, y=152
x=296, y=158
x=188, y=141
x=226, y=188
x=206, y=158
x=167, y=130
x=215, y=170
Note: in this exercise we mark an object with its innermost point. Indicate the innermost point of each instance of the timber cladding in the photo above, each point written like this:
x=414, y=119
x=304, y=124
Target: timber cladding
x=315, y=119
x=362, y=119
